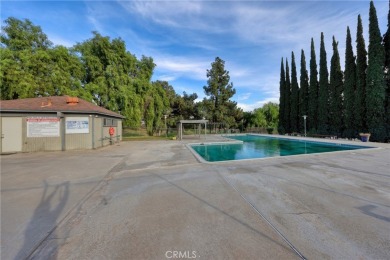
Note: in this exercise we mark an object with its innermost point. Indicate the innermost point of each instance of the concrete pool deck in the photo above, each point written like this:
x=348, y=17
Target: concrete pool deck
x=154, y=200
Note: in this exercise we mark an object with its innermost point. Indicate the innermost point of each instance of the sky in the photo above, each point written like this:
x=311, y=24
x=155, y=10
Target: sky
x=185, y=37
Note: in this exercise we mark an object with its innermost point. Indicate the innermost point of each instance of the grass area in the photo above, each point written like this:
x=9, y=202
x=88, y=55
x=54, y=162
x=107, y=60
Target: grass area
x=145, y=138
x=140, y=134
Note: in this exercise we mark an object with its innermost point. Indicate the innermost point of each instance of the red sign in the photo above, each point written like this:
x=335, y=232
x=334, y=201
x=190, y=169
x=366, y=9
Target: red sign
x=111, y=131
x=42, y=119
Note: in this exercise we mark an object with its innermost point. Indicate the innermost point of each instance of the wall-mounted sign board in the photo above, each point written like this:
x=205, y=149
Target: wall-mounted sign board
x=43, y=127
x=77, y=125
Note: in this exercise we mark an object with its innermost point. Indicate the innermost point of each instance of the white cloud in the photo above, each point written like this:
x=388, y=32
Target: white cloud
x=244, y=96
x=58, y=40
x=247, y=107
x=168, y=13
x=166, y=78
x=181, y=66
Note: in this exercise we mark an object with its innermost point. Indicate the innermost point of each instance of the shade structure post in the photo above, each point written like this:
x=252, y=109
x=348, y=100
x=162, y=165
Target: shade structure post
x=196, y=122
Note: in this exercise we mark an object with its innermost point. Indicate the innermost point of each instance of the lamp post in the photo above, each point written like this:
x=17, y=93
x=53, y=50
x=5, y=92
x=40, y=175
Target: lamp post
x=304, y=119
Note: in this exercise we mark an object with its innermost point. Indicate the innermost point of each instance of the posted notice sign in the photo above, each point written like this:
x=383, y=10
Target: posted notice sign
x=43, y=127
x=77, y=125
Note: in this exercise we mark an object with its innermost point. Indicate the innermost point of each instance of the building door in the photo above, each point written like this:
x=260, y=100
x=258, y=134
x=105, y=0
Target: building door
x=11, y=134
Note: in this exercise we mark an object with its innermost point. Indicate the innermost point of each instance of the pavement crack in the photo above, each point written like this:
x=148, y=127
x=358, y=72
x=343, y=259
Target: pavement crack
x=265, y=219
x=301, y=213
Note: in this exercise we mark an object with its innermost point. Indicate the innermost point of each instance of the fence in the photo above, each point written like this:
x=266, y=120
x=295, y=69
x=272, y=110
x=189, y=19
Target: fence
x=188, y=131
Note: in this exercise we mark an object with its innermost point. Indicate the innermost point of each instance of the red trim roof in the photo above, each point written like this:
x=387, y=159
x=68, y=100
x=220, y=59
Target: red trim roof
x=54, y=104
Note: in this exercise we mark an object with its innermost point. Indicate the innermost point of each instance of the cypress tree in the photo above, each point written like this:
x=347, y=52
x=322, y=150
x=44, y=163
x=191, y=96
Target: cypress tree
x=303, y=92
x=361, y=67
x=349, y=89
x=312, y=118
x=294, y=96
x=335, y=93
x=323, y=91
x=282, y=86
x=386, y=44
x=375, y=88
x=287, y=94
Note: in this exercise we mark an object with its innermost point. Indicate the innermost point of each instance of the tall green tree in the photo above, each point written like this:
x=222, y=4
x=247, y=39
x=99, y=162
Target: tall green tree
x=313, y=91
x=266, y=116
x=287, y=100
x=376, y=87
x=386, y=44
x=259, y=119
x=361, y=68
x=282, y=86
x=336, y=88
x=294, y=99
x=323, y=91
x=271, y=112
x=186, y=107
x=32, y=67
x=303, y=93
x=349, y=89
x=219, y=90
x=112, y=77
x=23, y=35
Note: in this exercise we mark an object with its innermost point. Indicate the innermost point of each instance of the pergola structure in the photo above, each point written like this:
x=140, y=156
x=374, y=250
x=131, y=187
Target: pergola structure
x=198, y=122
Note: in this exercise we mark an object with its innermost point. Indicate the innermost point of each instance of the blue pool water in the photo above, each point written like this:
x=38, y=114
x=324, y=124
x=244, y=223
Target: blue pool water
x=255, y=146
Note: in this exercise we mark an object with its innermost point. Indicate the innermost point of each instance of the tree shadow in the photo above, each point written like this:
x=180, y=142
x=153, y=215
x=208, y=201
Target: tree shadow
x=44, y=220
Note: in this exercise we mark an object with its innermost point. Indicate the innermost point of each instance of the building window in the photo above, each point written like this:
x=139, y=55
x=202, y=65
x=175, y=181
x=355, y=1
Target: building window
x=110, y=122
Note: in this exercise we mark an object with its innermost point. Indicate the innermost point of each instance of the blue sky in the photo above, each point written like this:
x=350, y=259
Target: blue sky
x=184, y=37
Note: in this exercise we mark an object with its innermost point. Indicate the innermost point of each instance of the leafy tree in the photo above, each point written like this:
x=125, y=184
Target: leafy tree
x=304, y=92
x=294, y=98
x=259, y=118
x=386, y=44
x=173, y=98
x=248, y=119
x=156, y=106
x=287, y=98
x=112, y=78
x=219, y=91
x=67, y=73
x=23, y=35
x=349, y=89
x=323, y=91
x=313, y=91
x=282, y=86
x=31, y=67
x=266, y=116
x=335, y=93
x=186, y=106
x=149, y=114
x=271, y=112
x=375, y=88
x=360, y=93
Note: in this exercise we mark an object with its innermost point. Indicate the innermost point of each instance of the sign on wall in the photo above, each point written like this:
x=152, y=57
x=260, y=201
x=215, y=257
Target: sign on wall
x=77, y=125
x=43, y=127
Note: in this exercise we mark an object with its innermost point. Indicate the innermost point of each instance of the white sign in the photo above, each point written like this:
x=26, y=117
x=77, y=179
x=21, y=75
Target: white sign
x=43, y=127
x=77, y=125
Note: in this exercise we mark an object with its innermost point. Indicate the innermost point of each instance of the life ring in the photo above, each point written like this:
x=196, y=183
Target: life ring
x=111, y=131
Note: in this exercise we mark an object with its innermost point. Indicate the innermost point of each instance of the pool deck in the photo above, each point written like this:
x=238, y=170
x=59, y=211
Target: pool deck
x=154, y=199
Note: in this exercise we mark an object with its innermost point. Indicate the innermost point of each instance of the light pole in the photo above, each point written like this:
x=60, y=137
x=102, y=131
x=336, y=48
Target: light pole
x=304, y=119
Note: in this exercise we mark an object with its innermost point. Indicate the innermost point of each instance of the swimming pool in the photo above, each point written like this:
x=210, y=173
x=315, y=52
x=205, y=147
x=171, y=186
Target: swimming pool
x=256, y=146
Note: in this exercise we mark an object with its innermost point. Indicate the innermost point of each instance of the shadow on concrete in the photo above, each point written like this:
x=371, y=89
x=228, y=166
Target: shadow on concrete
x=246, y=225
x=368, y=210
x=44, y=219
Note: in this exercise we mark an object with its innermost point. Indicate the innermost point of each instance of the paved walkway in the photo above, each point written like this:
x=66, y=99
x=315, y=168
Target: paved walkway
x=154, y=200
